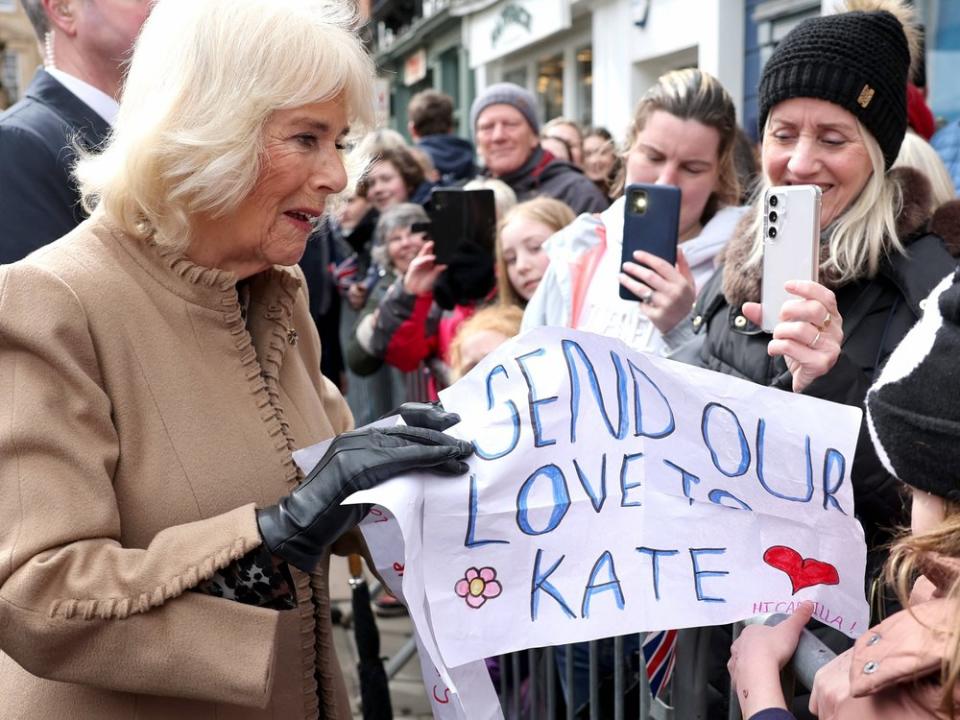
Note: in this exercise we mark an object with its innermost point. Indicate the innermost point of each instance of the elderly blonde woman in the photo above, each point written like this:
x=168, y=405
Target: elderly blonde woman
x=160, y=554
x=839, y=127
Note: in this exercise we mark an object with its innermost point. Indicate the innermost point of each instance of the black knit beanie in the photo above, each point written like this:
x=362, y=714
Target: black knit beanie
x=857, y=60
x=912, y=409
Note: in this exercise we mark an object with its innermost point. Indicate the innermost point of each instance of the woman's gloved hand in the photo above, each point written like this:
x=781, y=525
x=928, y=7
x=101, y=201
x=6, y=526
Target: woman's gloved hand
x=425, y=415
x=300, y=526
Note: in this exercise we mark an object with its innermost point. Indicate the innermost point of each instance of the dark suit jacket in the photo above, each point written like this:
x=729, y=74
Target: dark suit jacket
x=39, y=201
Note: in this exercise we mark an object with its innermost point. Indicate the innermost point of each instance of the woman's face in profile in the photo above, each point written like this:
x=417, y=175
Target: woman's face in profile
x=598, y=157
x=814, y=142
x=301, y=166
x=386, y=186
x=682, y=153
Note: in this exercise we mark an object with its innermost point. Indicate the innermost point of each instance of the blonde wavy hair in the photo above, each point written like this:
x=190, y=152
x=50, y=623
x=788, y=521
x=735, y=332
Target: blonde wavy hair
x=906, y=563
x=504, y=319
x=204, y=79
x=862, y=235
x=917, y=153
x=554, y=214
x=692, y=94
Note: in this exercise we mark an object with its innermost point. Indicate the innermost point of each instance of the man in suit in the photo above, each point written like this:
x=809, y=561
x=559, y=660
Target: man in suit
x=71, y=100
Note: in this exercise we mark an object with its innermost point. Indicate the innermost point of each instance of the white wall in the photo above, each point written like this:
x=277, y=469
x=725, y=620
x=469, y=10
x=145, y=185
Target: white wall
x=628, y=59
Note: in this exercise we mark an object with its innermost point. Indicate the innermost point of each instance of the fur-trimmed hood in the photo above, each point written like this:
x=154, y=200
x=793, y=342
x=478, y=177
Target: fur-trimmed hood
x=742, y=284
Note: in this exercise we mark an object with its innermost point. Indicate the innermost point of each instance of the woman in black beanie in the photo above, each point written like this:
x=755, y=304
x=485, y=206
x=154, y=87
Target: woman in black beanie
x=833, y=113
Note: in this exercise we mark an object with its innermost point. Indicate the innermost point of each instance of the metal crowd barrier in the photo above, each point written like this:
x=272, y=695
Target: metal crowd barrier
x=536, y=694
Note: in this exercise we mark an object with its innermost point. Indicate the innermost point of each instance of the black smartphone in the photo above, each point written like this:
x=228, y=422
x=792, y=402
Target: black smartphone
x=651, y=215
x=459, y=217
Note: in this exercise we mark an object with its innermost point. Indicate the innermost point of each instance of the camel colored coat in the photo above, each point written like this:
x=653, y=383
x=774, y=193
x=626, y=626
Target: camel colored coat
x=141, y=421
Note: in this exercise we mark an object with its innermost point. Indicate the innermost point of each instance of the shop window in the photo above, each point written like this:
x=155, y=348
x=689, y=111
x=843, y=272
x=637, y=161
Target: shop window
x=10, y=76
x=550, y=86
x=517, y=76
x=584, y=59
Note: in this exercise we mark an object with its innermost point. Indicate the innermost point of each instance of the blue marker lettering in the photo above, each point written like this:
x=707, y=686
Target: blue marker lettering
x=718, y=496
x=470, y=541
x=595, y=500
x=687, y=479
x=761, y=440
x=533, y=401
x=514, y=416
x=655, y=563
x=542, y=584
x=570, y=347
x=708, y=411
x=695, y=553
x=833, y=459
x=561, y=499
x=612, y=584
x=624, y=485
x=638, y=428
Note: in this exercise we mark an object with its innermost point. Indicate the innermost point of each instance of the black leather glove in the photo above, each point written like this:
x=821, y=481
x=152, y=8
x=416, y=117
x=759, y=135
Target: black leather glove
x=469, y=277
x=425, y=415
x=300, y=526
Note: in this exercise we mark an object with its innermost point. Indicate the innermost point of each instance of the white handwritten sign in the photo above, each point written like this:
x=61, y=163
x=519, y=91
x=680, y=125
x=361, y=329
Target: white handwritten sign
x=616, y=492
x=451, y=691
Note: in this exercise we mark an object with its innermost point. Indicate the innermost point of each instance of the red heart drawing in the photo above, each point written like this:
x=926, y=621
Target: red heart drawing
x=803, y=572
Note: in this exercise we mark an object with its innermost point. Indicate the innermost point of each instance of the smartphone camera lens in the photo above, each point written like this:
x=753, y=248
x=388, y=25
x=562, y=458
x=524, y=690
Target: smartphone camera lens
x=772, y=232
x=773, y=201
x=773, y=216
x=638, y=203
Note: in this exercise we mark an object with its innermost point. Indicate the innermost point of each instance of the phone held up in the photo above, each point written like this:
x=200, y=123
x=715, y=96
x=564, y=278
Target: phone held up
x=791, y=244
x=459, y=217
x=651, y=215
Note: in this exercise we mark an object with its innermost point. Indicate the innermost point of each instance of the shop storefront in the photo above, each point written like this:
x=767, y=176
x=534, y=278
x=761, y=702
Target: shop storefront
x=542, y=45
x=592, y=61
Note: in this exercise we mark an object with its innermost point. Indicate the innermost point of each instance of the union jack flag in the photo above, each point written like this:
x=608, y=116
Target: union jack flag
x=659, y=655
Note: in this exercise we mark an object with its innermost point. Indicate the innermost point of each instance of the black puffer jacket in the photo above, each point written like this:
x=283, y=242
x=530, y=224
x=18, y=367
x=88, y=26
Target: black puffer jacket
x=877, y=312
x=544, y=175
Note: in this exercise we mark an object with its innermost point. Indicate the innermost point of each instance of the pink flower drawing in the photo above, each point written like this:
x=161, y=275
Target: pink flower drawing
x=478, y=586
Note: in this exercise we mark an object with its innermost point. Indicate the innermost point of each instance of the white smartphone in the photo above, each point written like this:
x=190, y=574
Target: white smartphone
x=791, y=244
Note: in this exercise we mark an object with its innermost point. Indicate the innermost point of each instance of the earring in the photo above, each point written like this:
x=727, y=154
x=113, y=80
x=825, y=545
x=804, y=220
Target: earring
x=48, y=59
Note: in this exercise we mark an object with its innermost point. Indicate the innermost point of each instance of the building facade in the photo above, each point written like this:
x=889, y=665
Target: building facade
x=19, y=52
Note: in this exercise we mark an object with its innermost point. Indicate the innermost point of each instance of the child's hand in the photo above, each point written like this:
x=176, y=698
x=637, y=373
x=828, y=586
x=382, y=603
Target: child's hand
x=831, y=685
x=757, y=657
x=423, y=271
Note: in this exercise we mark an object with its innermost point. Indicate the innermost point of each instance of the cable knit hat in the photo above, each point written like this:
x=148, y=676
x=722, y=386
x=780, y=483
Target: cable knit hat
x=506, y=94
x=912, y=409
x=859, y=60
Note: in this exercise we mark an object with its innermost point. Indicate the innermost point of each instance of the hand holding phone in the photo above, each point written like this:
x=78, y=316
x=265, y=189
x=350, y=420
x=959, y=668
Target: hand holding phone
x=459, y=217
x=651, y=217
x=791, y=245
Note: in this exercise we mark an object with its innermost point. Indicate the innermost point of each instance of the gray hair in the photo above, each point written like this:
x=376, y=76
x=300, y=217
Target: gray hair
x=399, y=216
x=38, y=18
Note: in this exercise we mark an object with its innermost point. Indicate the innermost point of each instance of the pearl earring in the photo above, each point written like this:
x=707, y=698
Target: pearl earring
x=48, y=59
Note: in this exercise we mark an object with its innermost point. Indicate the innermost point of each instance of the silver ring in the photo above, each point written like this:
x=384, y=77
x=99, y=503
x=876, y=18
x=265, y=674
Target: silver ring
x=815, y=340
x=647, y=297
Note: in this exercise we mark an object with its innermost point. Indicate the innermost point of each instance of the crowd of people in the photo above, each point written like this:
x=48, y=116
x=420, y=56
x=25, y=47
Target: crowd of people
x=181, y=308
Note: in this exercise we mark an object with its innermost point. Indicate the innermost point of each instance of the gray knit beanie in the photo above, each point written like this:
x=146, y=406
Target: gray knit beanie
x=506, y=94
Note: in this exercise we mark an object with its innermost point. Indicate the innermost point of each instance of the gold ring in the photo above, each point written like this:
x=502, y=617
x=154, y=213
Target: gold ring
x=816, y=339
x=826, y=321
